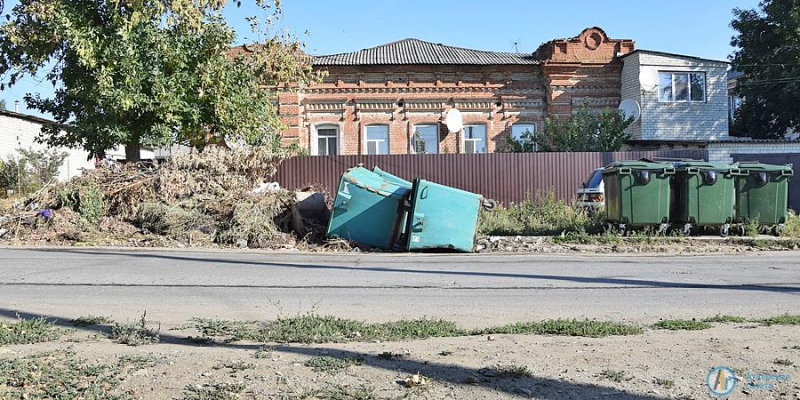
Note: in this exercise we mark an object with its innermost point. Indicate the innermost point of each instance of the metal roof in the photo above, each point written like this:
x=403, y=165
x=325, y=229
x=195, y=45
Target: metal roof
x=420, y=52
x=665, y=54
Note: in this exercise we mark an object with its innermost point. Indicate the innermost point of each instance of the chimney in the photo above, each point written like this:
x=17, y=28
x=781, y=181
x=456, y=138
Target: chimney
x=16, y=106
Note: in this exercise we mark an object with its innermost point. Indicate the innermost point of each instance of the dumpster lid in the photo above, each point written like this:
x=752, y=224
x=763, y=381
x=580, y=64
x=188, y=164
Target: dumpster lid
x=373, y=182
x=757, y=166
x=683, y=165
x=636, y=165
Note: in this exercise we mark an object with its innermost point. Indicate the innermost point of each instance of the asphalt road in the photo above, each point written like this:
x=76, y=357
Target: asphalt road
x=474, y=290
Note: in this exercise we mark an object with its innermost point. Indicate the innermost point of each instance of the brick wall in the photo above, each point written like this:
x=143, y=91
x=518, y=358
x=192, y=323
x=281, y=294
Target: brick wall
x=677, y=121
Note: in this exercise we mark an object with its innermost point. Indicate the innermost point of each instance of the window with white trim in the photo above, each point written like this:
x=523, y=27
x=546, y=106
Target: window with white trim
x=682, y=86
x=327, y=141
x=425, y=139
x=524, y=133
x=474, y=139
x=377, y=139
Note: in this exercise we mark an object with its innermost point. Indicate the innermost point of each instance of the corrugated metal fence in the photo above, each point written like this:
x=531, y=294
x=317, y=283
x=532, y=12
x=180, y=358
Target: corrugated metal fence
x=505, y=177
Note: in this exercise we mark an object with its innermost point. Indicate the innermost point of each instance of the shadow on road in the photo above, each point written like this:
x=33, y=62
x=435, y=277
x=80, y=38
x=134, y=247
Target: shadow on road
x=534, y=386
x=780, y=288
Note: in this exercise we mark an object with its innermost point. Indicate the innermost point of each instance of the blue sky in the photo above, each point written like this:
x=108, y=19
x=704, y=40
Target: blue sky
x=694, y=27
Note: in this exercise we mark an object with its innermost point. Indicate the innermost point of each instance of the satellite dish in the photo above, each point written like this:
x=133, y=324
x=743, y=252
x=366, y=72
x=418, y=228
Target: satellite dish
x=630, y=109
x=648, y=79
x=454, y=121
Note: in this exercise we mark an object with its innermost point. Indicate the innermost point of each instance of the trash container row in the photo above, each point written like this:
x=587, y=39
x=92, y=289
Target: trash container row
x=381, y=210
x=695, y=194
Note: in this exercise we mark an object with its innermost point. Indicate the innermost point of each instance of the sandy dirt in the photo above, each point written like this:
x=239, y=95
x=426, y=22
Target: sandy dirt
x=464, y=367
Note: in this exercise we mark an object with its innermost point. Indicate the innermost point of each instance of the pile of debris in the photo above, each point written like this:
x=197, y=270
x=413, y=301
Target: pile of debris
x=218, y=197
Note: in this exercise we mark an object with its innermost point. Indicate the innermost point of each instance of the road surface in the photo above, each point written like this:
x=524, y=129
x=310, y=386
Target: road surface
x=474, y=290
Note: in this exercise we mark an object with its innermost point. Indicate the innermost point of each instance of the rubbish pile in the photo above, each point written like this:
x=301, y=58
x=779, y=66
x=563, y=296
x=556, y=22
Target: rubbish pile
x=215, y=198
x=384, y=211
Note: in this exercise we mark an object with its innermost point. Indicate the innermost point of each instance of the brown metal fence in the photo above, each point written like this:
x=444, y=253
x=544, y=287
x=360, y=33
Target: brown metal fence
x=505, y=177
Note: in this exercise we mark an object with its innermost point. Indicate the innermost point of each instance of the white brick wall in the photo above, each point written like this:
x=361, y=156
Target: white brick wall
x=721, y=151
x=16, y=132
x=679, y=121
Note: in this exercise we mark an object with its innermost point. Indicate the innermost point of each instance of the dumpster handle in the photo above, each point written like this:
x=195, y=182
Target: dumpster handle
x=624, y=171
x=669, y=171
x=424, y=194
x=787, y=172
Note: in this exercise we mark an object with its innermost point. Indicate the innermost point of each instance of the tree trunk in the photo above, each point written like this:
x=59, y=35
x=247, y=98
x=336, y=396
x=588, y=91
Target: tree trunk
x=133, y=152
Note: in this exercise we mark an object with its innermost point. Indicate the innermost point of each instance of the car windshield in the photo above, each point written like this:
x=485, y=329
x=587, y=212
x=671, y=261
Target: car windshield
x=594, y=180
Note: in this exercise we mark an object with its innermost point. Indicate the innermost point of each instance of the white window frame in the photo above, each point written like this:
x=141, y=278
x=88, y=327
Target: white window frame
x=315, y=137
x=535, y=130
x=464, y=139
x=388, y=139
x=672, y=80
x=414, y=129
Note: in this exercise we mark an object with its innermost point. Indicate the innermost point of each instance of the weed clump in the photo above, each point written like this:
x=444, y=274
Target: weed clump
x=331, y=364
x=565, y=327
x=27, y=331
x=682, y=325
x=135, y=334
x=542, y=214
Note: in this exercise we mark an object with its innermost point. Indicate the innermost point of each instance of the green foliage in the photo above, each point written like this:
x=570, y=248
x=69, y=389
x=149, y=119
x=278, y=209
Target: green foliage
x=3, y=104
x=149, y=72
x=332, y=364
x=726, y=319
x=218, y=391
x=751, y=227
x=616, y=376
x=681, y=324
x=27, y=331
x=92, y=320
x=85, y=199
x=768, y=55
x=565, y=327
x=791, y=228
x=135, y=334
x=526, y=143
x=782, y=320
x=585, y=131
x=514, y=371
x=543, y=214
x=59, y=375
x=235, y=366
x=667, y=383
x=31, y=170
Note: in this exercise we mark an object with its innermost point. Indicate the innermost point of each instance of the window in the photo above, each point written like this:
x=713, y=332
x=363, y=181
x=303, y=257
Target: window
x=425, y=139
x=327, y=141
x=682, y=86
x=378, y=139
x=475, y=139
x=524, y=133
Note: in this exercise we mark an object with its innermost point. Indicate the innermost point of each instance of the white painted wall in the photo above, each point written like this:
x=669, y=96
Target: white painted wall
x=721, y=151
x=678, y=121
x=16, y=132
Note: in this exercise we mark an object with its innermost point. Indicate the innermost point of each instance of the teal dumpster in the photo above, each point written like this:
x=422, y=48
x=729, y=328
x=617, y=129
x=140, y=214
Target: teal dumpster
x=637, y=194
x=368, y=209
x=442, y=217
x=393, y=178
x=762, y=194
x=703, y=195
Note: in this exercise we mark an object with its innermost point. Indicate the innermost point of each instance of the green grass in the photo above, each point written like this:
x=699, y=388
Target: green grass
x=235, y=366
x=231, y=330
x=92, y=320
x=27, y=331
x=59, y=375
x=135, y=334
x=216, y=391
x=263, y=352
x=725, y=319
x=616, y=376
x=682, y=325
x=566, y=327
x=137, y=361
x=667, y=383
x=514, y=371
x=781, y=320
x=542, y=214
x=331, y=364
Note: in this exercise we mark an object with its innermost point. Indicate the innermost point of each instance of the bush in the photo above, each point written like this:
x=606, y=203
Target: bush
x=31, y=170
x=85, y=199
x=792, y=226
x=543, y=214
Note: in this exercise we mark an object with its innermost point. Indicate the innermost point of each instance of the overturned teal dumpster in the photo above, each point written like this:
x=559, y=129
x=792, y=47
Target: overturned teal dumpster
x=442, y=217
x=367, y=209
x=381, y=210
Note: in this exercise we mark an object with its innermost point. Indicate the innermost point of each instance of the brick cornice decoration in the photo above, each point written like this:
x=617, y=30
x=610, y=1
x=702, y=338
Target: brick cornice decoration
x=387, y=106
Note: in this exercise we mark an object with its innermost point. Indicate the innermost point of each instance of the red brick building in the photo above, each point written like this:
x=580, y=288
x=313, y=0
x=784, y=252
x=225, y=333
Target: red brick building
x=393, y=98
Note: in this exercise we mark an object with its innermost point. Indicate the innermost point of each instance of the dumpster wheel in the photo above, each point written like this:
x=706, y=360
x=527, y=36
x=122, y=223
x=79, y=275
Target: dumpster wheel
x=489, y=204
x=724, y=230
x=483, y=246
x=777, y=230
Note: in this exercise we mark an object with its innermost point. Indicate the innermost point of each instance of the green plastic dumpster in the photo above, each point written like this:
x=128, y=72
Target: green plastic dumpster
x=762, y=193
x=442, y=217
x=703, y=195
x=637, y=194
x=367, y=209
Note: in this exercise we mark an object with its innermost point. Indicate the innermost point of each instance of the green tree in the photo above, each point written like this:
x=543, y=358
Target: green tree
x=149, y=72
x=31, y=170
x=767, y=52
x=3, y=104
x=585, y=131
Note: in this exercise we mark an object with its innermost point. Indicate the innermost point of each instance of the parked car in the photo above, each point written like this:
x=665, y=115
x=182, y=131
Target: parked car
x=591, y=193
